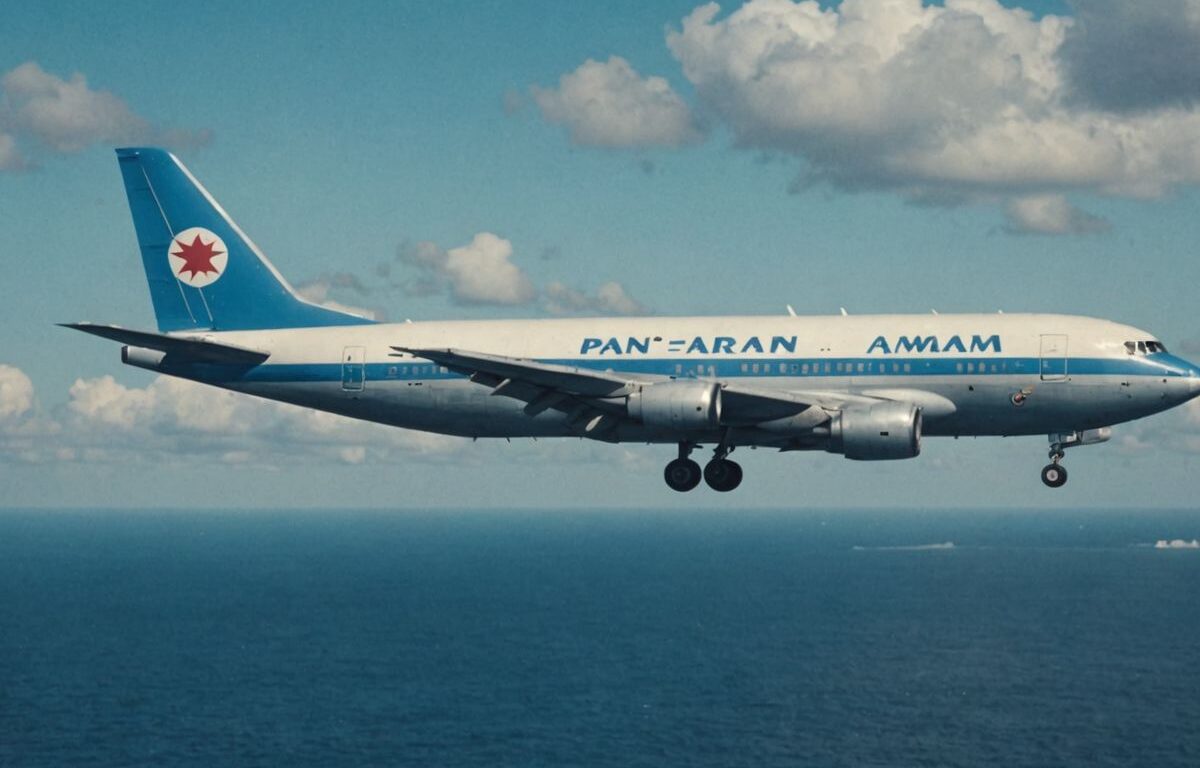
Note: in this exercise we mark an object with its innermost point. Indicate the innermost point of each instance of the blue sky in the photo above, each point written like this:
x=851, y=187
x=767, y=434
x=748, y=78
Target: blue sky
x=1043, y=160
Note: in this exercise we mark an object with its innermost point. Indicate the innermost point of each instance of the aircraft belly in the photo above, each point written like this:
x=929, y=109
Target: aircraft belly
x=983, y=405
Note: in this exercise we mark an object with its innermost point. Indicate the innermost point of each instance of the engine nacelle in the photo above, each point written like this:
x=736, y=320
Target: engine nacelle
x=889, y=430
x=677, y=405
x=142, y=357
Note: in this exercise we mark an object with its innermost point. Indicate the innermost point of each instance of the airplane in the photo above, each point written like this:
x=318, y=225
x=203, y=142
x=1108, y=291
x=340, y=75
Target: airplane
x=868, y=387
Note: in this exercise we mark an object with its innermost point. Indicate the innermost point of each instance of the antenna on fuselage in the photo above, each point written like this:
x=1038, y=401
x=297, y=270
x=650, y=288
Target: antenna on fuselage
x=844, y=312
x=791, y=311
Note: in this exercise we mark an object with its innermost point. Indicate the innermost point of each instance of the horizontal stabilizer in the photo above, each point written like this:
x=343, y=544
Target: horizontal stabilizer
x=189, y=350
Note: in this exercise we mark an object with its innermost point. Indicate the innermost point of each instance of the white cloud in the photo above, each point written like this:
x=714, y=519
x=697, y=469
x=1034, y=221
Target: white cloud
x=608, y=104
x=317, y=291
x=1050, y=215
x=16, y=394
x=968, y=101
x=480, y=272
x=177, y=420
x=610, y=299
x=66, y=115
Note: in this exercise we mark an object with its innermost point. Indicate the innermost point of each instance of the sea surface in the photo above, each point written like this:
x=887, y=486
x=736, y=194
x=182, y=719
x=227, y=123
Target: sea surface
x=599, y=638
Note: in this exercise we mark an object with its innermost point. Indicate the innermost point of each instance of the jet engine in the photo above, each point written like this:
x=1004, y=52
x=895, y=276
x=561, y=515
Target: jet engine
x=677, y=405
x=885, y=430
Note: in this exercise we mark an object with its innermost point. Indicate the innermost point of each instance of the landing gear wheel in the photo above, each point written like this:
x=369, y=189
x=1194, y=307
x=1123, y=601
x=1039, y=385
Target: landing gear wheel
x=1054, y=475
x=682, y=475
x=723, y=475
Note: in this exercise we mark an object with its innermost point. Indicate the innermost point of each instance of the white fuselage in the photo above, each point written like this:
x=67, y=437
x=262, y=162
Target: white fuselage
x=972, y=374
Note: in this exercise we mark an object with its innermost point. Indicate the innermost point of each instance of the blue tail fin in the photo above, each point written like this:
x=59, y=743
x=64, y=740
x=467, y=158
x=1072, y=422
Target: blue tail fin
x=204, y=273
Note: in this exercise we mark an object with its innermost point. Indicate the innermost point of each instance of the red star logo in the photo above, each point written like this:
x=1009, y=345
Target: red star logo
x=197, y=257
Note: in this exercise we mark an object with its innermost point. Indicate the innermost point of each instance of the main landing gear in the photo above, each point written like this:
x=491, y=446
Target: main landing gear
x=720, y=473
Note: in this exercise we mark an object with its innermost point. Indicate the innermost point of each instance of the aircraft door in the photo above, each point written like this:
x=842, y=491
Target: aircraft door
x=354, y=374
x=1054, y=357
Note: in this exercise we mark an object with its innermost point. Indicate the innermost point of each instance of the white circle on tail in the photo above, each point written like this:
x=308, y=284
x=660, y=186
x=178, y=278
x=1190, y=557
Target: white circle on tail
x=198, y=257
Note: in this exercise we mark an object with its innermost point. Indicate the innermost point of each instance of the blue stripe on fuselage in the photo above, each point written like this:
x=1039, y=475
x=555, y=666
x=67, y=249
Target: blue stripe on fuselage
x=857, y=367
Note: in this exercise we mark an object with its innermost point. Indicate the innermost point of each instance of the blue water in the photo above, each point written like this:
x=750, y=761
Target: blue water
x=598, y=639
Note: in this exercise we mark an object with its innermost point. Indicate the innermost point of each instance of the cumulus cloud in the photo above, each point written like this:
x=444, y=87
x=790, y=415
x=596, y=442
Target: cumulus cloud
x=174, y=421
x=182, y=421
x=66, y=115
x=16, y=393
x=480, y=272
x=969, y=101
x=610, y=299
x=608, y=104
x=319, y=290
x=1051, y=215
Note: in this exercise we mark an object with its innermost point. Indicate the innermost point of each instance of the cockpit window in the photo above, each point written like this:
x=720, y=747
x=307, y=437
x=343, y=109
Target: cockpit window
x=1144, y=347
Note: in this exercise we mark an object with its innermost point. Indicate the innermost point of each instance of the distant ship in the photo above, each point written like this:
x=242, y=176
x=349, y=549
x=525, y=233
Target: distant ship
x=1177, y=544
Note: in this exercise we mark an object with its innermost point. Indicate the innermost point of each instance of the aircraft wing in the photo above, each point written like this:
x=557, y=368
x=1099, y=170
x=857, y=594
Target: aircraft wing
x=495, y=370
x=580, y=393
x=190, y=350
x=565, y=387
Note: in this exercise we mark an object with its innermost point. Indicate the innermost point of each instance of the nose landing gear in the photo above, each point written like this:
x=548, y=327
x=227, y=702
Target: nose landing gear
x=1054, y=474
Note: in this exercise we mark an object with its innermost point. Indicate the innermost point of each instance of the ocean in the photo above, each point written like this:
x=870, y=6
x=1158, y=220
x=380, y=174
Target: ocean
x=599, y=638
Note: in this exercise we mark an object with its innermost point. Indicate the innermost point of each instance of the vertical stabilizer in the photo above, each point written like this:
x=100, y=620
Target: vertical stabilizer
x=203, y=271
